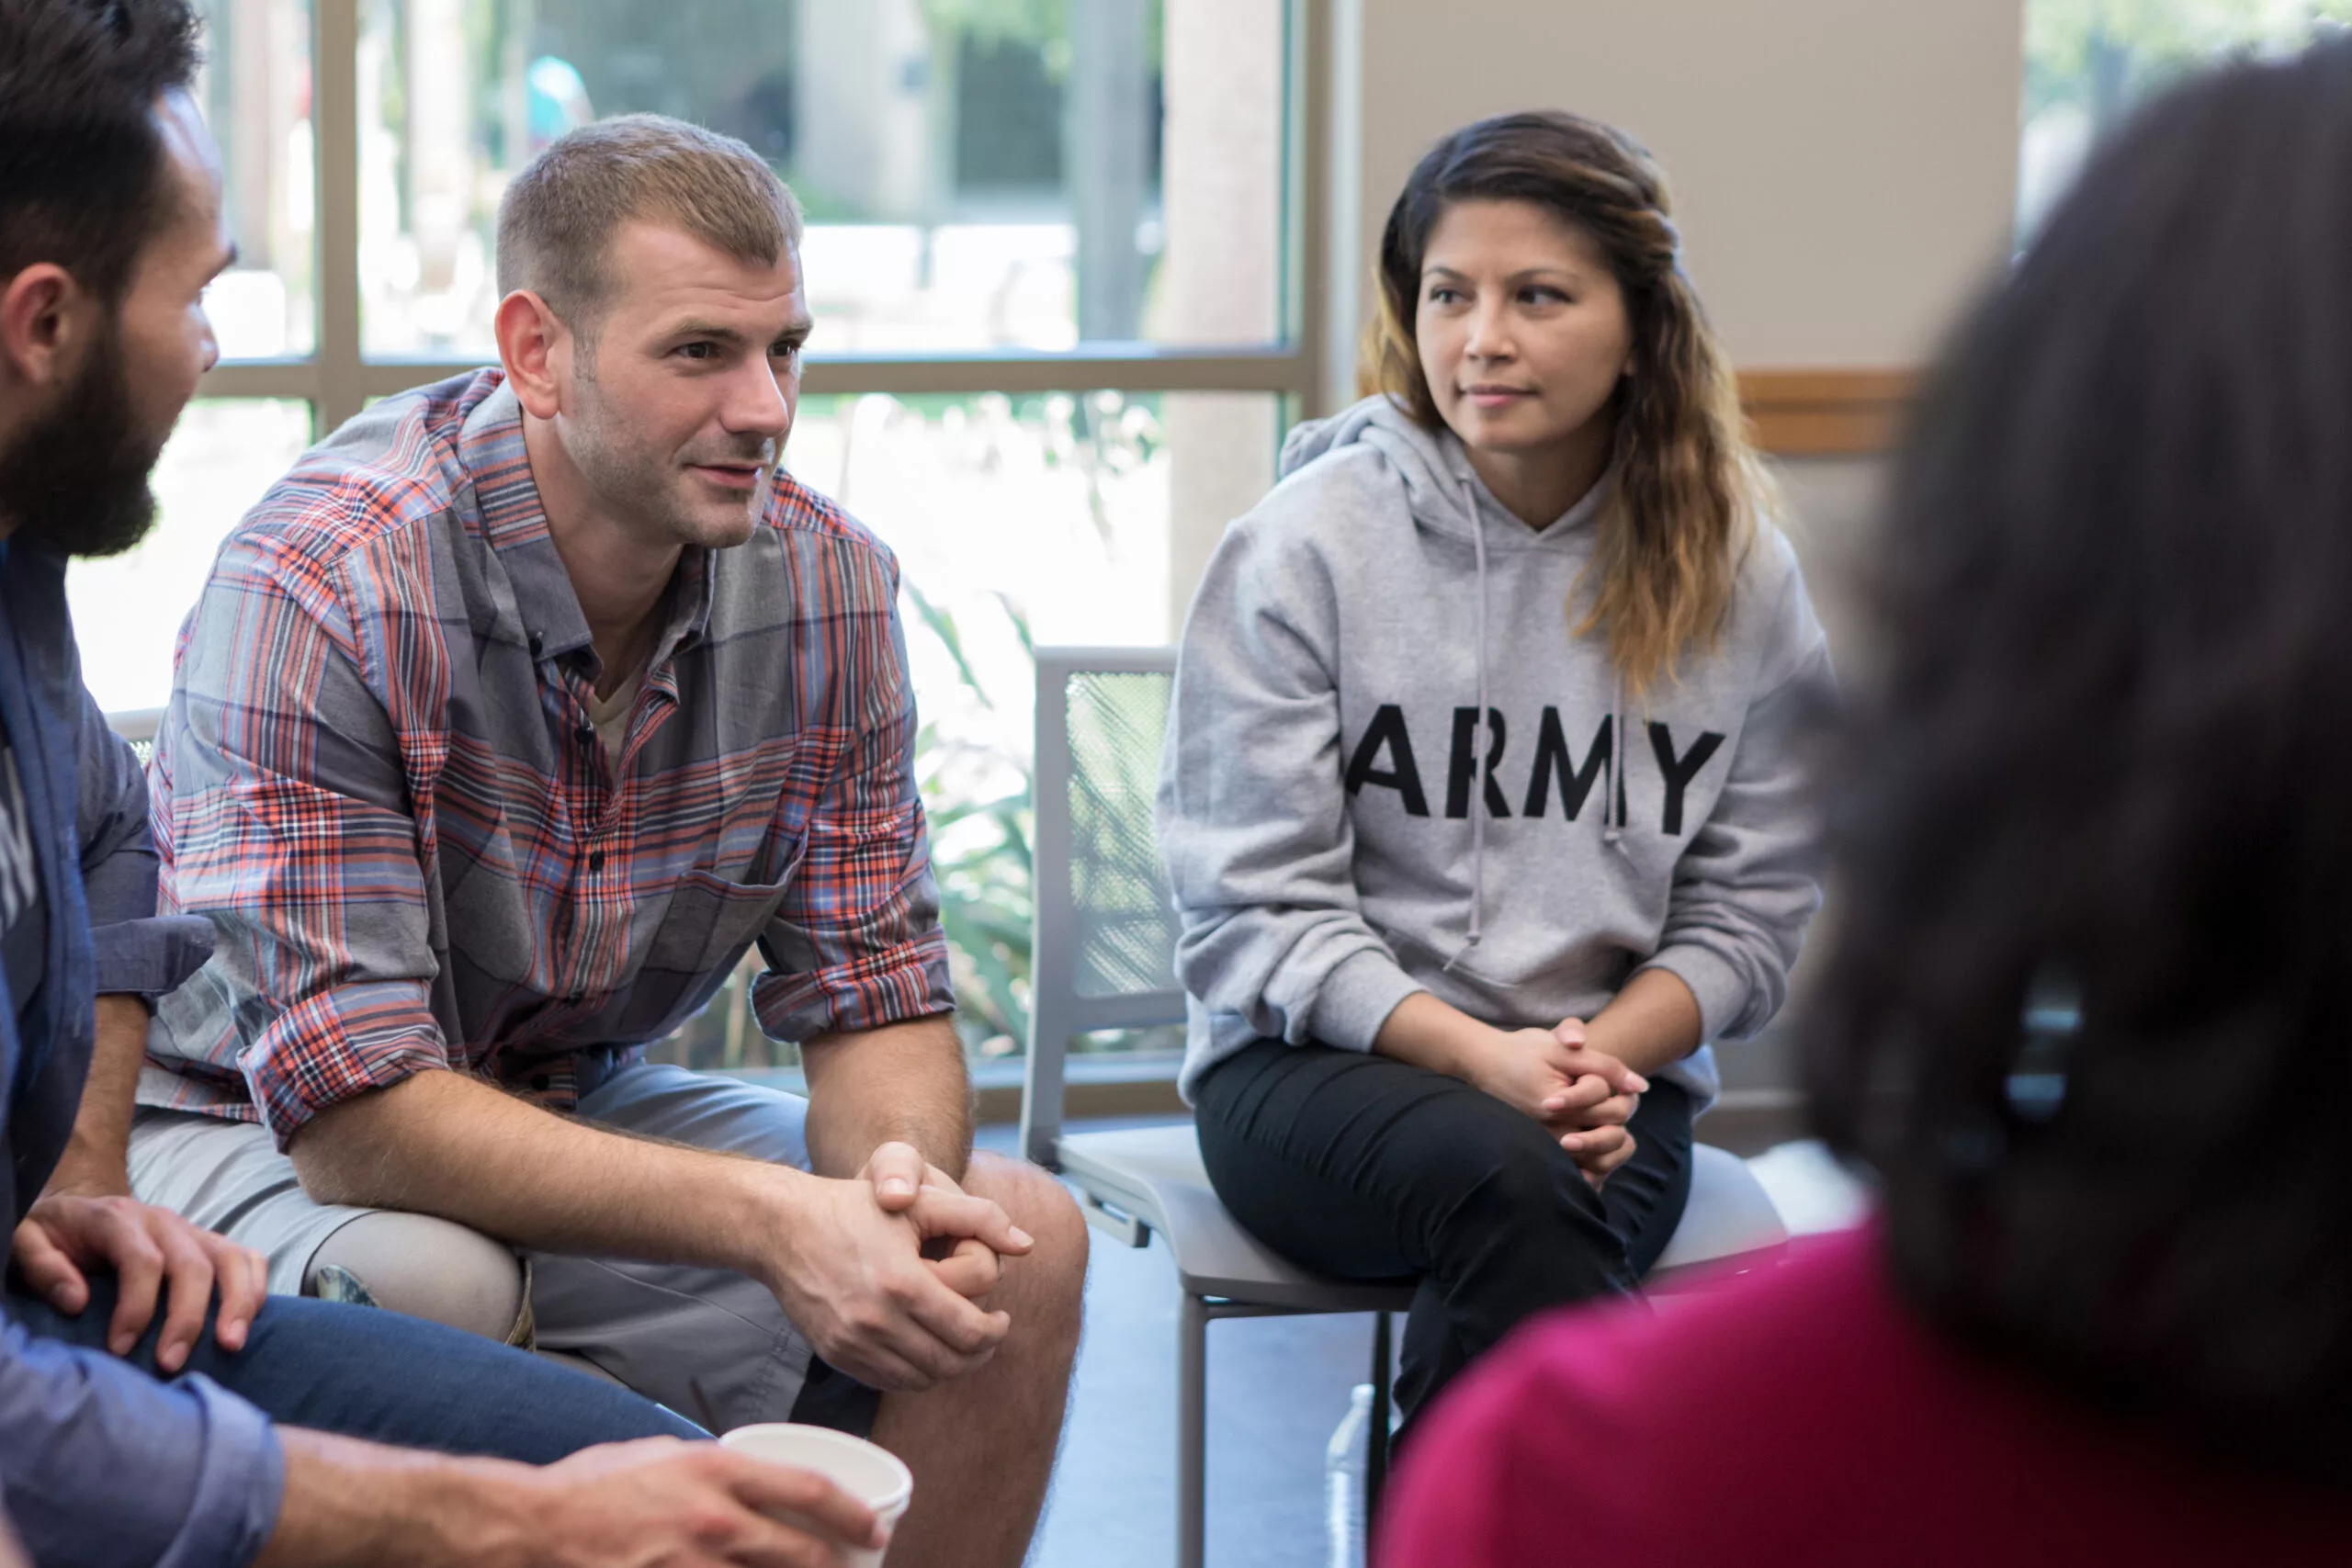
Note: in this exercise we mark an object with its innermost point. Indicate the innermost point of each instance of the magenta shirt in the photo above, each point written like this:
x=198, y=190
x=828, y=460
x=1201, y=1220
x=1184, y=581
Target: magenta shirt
x=1805, y=1416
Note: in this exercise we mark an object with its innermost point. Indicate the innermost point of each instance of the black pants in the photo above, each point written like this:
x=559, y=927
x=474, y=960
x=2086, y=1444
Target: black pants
x=1363, y=1168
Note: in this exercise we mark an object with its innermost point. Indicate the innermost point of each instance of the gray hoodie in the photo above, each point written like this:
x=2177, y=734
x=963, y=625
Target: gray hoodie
x=1317, y=786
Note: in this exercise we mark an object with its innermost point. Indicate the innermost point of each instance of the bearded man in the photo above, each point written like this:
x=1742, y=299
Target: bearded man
x=154, y=1409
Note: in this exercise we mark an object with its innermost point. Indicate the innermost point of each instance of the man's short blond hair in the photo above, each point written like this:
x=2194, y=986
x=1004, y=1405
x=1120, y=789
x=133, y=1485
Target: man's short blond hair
x=556, y=220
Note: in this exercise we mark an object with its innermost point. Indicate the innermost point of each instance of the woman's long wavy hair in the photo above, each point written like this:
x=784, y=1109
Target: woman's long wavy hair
x=1689, y=488
x=2108, y=767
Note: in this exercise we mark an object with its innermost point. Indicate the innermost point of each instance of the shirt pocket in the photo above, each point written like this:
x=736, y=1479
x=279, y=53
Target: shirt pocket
x=711, y=922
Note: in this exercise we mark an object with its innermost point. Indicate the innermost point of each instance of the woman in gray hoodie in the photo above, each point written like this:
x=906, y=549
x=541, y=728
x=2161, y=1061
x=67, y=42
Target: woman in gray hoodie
x=1481, y=801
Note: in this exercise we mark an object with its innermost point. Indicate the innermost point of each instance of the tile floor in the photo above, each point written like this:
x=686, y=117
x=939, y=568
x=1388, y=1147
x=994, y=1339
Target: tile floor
x=1277, y=1388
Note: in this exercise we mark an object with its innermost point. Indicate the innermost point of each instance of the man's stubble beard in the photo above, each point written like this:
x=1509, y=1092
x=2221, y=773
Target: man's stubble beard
x=75, y=480
x=634, y=480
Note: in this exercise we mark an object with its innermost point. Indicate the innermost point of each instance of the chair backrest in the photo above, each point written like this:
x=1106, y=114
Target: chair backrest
x=1104, y=942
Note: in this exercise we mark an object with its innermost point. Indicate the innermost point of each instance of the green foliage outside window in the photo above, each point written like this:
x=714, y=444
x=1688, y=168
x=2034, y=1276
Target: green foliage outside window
x=2088, y=62
x=980, y=858
x=972, y=764
x=2104, y=55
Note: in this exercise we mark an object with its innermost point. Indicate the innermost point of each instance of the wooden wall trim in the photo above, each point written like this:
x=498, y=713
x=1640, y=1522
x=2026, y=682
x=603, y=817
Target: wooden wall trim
x=1826, y=414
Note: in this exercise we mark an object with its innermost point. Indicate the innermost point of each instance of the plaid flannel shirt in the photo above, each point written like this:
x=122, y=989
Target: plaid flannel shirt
x=379, y=779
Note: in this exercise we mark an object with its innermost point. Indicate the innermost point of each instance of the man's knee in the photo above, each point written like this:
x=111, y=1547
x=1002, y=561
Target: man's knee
x=1043, y=1207
x=430, y=1268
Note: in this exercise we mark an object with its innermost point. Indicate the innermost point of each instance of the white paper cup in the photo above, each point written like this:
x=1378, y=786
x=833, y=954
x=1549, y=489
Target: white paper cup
x=872, y=1474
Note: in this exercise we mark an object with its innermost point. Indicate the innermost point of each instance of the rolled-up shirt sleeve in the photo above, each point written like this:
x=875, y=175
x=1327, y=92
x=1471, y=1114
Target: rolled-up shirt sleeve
x=857, y=943
x=106, y=1468
x=289, y=828
x=138, y=952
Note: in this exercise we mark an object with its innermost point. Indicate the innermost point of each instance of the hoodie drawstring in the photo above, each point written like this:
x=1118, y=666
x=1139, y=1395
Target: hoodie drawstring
x=1613, y=810
x=1481, y=753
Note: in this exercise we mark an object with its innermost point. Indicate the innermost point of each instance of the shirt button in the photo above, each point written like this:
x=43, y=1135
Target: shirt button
x=540, y=1080
x=584, y=734
x=575, y=998
x=596, y=861
x=538, y=644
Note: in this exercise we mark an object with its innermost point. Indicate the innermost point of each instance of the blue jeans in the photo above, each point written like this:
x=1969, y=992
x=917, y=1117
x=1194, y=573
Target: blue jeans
x=364, y=1373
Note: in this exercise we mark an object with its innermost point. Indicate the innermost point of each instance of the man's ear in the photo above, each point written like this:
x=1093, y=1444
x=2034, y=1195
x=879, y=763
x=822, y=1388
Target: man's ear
x=43, y=318
x=535, y=348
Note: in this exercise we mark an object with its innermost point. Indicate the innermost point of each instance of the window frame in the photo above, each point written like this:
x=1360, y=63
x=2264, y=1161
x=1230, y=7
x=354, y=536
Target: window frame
x=338, y=377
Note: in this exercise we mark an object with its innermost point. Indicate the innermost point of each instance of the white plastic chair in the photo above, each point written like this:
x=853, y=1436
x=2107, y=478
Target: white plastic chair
x=1105, y=958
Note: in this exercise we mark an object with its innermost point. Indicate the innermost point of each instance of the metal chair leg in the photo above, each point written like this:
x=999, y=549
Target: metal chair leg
x=1375, y=1447
x=1192, y=1431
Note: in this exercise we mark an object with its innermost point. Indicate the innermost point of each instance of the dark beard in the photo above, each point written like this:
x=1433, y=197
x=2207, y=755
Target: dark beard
x=75, y=480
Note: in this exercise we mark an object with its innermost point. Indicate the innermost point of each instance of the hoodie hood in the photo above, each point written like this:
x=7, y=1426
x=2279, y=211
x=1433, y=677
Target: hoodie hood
x=1443, y=492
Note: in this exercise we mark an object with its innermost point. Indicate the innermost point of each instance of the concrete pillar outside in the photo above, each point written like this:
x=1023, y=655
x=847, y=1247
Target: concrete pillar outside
x=864, y=79
x=245, y=130
x=1105, y=142
x=440, y=140
x=1220, y=278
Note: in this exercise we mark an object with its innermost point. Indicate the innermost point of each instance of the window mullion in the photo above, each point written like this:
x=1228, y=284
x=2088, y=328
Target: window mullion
x=335, y=108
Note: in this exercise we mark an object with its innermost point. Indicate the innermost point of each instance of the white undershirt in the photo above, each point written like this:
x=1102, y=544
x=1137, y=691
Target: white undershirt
x=610, y=716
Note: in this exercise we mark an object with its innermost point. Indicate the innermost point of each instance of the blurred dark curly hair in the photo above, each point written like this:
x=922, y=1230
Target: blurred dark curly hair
x=2109, y=765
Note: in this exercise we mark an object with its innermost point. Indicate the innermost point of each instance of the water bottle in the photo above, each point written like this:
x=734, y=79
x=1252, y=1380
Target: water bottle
x=1343, y=1474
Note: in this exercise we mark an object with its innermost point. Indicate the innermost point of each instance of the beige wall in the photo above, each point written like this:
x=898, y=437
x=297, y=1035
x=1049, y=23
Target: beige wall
x=1844, y=169
x=1844, y=173
x=1221, y=191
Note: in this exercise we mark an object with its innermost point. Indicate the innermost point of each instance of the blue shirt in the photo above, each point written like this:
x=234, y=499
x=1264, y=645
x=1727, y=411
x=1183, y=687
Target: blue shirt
x=102, y=1464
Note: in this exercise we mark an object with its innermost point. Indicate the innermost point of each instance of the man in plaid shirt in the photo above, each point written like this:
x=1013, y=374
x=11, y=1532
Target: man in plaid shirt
x=506, y=725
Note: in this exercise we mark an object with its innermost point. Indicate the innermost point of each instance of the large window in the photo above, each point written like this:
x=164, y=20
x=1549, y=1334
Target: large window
x=980, y=173
x=1054, y=250
x=221, y=456
x=2089, y=61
